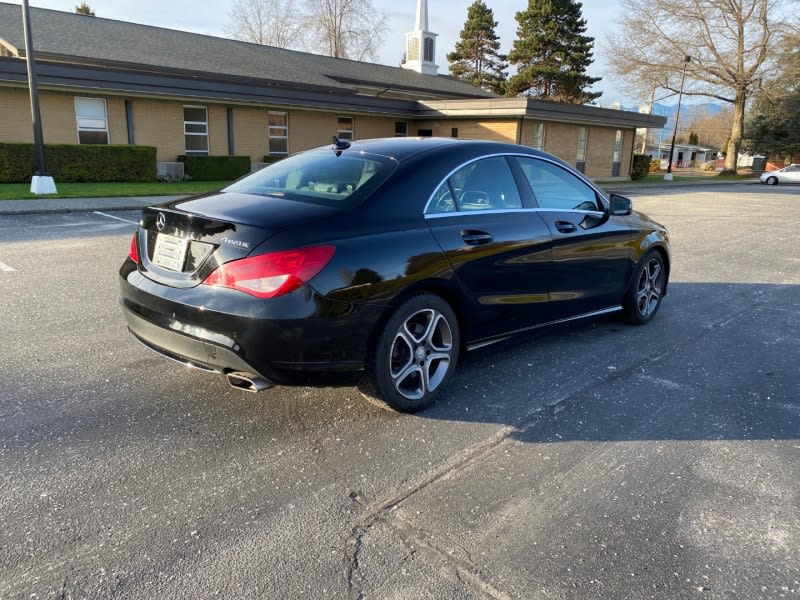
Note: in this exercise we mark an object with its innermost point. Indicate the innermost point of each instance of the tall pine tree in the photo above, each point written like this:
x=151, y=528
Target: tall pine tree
x=476, y=58
x=552, y=53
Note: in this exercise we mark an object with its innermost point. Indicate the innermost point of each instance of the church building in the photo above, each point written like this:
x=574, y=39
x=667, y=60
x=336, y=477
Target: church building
x=103, y=81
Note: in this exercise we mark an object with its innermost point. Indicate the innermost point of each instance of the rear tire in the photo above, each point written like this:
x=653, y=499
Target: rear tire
x=415, y=355
x=643, y=298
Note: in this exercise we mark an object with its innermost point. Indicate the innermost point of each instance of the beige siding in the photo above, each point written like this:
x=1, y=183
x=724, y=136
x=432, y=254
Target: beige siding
x=217, y=129
x=160, y=123
x=311, y=129
x=469, y=129
x=600, y=151
x=250, y=132
x=117, y=122
x=15, y=116
x=561, y=140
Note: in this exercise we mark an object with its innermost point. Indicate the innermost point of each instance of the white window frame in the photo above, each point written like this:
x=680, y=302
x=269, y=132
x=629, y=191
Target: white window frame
x=539, y=135
x=194, y=133
x=278, y=132
x=345, y=134
x=92, y=123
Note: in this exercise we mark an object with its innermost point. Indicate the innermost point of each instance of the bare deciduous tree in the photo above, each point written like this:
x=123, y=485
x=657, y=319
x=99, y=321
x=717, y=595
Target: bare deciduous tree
x=266, y=22
x=344, y=28
x=729, y=42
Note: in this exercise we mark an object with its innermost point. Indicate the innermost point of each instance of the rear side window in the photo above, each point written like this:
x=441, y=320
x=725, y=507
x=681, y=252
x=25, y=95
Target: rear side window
x=555, y=187
x=320, y=177
x=485, y=184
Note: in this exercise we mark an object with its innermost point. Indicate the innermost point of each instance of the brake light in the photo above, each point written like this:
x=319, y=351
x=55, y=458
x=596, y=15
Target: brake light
x=274, y=274
x=133, y=252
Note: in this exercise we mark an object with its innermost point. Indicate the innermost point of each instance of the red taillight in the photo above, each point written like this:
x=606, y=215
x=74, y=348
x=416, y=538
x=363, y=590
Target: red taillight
x=274, y=274
x=133, y=252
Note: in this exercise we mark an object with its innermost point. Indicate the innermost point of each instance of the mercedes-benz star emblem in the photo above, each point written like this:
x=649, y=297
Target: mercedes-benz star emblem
x=161, y=221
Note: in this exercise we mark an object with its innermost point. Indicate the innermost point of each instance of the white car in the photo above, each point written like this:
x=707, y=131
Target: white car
x=790, y=174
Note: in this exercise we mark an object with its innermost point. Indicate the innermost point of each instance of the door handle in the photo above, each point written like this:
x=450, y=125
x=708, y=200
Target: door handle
x=476, y=238
x=565, y=227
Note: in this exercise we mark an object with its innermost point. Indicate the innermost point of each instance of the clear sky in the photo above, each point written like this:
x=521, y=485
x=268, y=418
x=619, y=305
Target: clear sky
x=446, y=17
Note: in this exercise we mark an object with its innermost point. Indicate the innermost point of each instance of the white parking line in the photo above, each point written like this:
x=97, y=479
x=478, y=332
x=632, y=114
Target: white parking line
x=5, y=267
x=102, y=214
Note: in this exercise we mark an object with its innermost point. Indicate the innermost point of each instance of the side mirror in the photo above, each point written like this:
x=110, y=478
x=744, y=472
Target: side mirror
x=620, y=205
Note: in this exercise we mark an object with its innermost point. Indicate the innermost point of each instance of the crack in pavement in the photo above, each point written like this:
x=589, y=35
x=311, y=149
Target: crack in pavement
x=462, y=571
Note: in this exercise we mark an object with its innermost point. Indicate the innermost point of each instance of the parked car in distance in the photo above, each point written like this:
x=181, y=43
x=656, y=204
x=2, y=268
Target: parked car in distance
x=790, y=174
x=387, y=258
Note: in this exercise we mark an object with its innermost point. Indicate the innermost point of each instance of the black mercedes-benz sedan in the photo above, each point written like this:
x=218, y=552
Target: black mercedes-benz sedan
x=388, y=257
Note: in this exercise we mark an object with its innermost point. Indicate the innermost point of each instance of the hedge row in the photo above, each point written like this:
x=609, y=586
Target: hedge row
x=78, y=163
x=215, y=168
x=640, y=166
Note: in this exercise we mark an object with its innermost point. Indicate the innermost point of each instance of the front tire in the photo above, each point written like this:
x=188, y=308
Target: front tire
x=643, y=298
x=772, y=180
x=415, y=355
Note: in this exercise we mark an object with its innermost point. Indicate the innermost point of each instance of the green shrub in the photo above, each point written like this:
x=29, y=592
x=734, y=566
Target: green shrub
x=79, y=163
x=215, y=168
x=640, y=166
x=272, y=159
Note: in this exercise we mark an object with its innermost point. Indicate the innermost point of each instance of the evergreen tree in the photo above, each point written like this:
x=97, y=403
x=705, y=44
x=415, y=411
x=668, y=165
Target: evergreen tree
x=552, y=53
x=84, y=9
x=476, y=58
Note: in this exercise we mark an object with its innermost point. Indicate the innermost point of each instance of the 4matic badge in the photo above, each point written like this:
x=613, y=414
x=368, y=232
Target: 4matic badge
x=235, y=243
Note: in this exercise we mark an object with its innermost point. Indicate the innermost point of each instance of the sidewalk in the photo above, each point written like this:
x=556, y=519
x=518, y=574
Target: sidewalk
x=61, y=205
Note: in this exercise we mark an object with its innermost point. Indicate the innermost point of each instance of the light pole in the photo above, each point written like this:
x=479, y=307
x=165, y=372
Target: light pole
x=668, y=175
x=41, y=183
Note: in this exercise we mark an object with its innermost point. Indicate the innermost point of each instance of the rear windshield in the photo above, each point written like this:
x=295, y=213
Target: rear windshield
x=320, y=177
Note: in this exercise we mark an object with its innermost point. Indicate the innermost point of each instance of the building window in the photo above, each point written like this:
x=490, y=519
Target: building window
x=425, y=132
x=428, y=53
x=583, y=139
x=539, y=130
x=400, y=129
x=454, y=132
x=278, y=134
x=195, y=130
x=90, y=113
x=345, y=128
x=618, y=147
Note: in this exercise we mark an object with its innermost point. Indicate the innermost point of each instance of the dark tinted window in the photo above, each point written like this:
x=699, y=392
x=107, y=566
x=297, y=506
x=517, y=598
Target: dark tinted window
x=485, y=184
x=557, y=188
x=320, y=177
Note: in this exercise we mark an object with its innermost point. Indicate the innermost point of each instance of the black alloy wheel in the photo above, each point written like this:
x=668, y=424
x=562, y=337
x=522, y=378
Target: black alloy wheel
x=647, y=289
x=415, y=355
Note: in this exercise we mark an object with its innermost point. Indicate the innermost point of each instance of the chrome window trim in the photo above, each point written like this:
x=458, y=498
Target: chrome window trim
x=581, y=176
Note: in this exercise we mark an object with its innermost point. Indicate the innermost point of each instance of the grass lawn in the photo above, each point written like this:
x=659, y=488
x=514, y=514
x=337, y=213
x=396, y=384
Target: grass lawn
x=21, y=191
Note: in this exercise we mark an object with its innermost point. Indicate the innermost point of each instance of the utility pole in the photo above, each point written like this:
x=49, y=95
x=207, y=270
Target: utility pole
x=668, y=175
x=41, y=183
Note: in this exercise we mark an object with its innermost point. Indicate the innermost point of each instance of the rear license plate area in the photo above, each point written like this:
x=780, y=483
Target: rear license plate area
x=170, y=252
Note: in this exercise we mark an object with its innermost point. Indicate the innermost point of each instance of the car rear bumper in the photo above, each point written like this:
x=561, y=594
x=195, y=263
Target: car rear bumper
x=224, y=331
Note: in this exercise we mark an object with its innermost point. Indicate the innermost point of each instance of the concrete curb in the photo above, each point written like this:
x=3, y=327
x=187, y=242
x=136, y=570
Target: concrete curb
x=63, y=205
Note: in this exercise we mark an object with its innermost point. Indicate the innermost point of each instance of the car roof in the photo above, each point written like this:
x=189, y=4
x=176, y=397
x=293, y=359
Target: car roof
x=404, y=148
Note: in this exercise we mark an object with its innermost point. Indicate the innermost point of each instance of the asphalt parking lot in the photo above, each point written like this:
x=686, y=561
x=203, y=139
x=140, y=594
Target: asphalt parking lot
x=600, y=461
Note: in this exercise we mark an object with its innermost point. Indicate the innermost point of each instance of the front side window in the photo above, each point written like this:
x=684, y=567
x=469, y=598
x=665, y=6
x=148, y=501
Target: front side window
x=485, y=184
x=90, y=113
x=345, y=128
x=195, y=130
x=539, y=130
x=556, y=188
x=278, y=134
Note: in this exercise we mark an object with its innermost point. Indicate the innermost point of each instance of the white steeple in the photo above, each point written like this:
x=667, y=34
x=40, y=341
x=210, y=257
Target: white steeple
x=421, y=44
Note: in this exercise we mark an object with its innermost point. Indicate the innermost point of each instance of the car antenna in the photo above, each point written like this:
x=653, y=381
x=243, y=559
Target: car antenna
x=339, y=145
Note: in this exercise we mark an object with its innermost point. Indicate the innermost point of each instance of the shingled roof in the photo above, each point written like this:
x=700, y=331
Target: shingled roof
x=71, y=38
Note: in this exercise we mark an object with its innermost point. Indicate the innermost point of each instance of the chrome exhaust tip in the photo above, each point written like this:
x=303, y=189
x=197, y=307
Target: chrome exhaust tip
x=247, y=382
